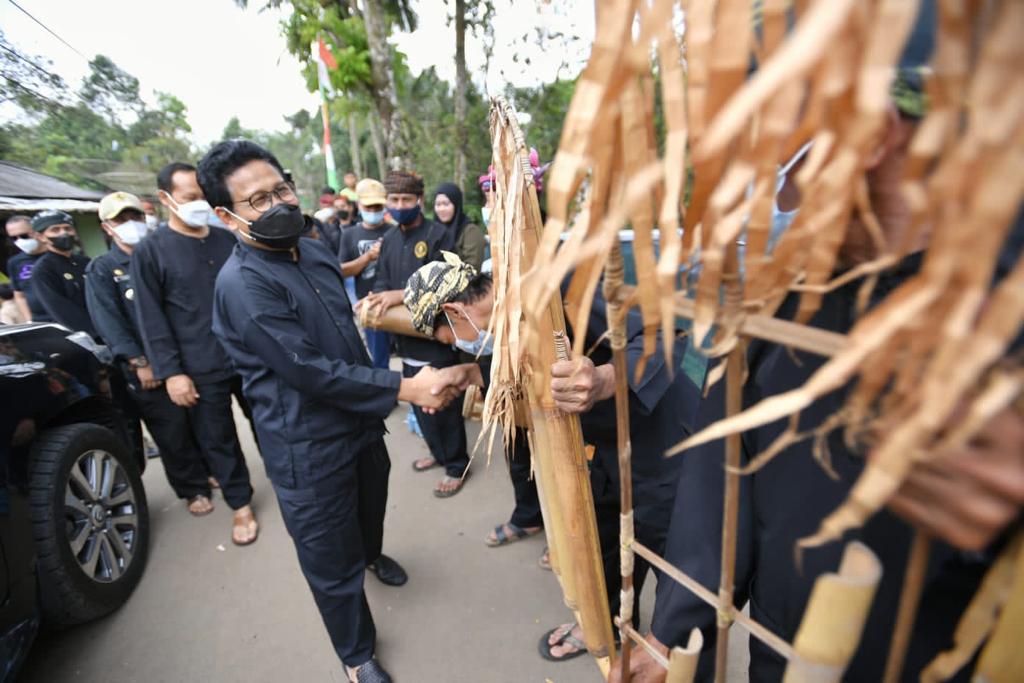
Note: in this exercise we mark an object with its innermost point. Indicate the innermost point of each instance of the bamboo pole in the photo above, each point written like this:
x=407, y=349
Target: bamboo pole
x=614, y=276
x=730, y=515
x=834, y=619
x=910, y=597
x=395, y=320
x=558, y=436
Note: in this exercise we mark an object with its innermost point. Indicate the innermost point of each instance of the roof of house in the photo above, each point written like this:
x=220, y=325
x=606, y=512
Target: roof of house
x=18, y=182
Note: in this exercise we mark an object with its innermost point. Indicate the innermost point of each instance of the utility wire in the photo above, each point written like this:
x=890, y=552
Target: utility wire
x=48, y=29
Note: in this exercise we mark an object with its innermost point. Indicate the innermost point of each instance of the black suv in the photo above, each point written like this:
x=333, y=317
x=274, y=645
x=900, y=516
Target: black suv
x=74, y=526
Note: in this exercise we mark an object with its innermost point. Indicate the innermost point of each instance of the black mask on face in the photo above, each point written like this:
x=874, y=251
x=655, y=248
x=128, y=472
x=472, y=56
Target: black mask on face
x=63, y=242
x=345, y=215
x=280, y=227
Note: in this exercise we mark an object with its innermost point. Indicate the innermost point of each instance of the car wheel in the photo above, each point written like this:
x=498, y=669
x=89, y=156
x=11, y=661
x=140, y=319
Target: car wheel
x=90, y=522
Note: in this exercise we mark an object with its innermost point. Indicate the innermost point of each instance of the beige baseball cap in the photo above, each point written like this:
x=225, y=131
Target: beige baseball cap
x=116, y=202
x=370, y=192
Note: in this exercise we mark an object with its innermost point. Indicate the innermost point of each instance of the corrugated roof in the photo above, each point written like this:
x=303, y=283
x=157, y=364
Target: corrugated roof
x=18, y=181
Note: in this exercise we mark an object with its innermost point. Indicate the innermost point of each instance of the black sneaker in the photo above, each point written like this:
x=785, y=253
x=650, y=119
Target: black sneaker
x=372, y=672
x=388, y=571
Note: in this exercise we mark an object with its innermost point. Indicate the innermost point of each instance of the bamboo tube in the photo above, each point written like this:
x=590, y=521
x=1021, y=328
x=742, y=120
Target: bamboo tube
x=682, y=662
x=395, y=320
x=1003, y=657
x=910, y=597
x=834, y=619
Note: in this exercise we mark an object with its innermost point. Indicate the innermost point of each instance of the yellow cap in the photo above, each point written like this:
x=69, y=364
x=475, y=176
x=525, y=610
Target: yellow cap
x=370, y=192
x=116, y=202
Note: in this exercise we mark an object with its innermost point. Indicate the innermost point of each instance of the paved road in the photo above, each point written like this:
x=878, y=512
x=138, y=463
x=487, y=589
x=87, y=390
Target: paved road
x=206, y=610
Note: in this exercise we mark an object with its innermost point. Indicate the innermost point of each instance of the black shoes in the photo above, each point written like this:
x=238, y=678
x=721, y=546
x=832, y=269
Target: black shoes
x=389, y=572
x=372, y=672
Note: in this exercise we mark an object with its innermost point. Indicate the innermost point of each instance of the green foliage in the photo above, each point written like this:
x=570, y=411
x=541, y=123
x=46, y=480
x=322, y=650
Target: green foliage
x=546, y=106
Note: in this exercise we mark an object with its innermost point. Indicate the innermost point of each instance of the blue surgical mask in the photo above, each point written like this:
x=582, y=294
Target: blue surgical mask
x=483, y=345
x=372, y=217
x=405, y=216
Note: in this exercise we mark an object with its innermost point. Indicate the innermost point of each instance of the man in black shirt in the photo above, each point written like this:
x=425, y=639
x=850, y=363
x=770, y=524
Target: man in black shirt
x=418, y=241
x=282, y=315
x=174, y=271
x=58, y=278
x=360, y=249
x=31, y=246
x=111, y=300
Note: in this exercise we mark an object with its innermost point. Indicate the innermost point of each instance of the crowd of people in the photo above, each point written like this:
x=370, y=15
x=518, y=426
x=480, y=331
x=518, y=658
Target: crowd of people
x=239, y=295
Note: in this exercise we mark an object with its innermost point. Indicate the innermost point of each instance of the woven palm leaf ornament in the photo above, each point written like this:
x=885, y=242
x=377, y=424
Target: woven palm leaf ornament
x=928, y=365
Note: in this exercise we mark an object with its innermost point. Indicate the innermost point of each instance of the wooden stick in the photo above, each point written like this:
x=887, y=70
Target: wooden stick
x=780, y=646
x=730, y=514
x=682, y=663
x=613, y=283
x=910, y=597
x=395, y=320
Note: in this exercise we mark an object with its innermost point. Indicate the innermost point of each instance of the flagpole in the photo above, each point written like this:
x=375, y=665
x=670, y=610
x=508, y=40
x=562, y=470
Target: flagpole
x=318, y=48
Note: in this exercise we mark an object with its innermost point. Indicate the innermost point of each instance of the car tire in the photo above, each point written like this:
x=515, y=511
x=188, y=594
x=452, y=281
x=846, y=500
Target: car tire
x=90, y=522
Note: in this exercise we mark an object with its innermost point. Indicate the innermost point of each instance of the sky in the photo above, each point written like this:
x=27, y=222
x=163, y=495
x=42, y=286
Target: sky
x=222, y=61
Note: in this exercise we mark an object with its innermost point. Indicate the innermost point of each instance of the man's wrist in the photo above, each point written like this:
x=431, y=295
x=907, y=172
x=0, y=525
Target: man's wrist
x=606, y=381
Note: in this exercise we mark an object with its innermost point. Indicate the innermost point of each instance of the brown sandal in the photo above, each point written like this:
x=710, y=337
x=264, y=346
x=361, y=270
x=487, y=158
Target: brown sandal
x=244, y=520
x=199, y=499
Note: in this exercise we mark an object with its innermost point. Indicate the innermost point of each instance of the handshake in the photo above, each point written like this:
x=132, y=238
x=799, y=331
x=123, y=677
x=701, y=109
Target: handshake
x=434, y=389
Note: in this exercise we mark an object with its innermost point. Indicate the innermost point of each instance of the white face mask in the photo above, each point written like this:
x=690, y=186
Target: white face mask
x=151, y=220
x=195, y=214
x=131, y=232
x=485, y=213
x=27, y=244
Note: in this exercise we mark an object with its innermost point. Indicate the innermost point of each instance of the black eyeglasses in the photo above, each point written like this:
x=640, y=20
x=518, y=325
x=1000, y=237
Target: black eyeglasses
x=262, y=201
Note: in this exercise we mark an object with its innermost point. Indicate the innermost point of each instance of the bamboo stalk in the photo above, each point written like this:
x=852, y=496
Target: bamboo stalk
x=910, y=597
x=1003, y=658
x=613, y=282
x=834, y=618
x=730, y=515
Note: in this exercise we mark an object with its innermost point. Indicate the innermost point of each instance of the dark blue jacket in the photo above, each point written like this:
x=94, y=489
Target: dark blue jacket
x=786, y=500
x=662, y=408
x=110, y=297
x=19, y=270
x=286, y=322
x=59, y=282
x=173, y=276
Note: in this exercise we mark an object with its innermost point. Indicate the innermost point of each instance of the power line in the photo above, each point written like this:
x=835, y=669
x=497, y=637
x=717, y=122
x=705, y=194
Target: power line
x=48, y=29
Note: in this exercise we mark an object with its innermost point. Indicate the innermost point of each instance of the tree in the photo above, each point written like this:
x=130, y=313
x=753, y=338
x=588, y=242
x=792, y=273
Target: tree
x=476, y=15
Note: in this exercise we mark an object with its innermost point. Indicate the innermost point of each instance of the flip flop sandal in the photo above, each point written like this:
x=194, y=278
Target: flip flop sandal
x=423, y=468
x=203, y=513
x=501, y=538
x=544, y=561
x=544, y=647
x=451, y=492
x=244, y=526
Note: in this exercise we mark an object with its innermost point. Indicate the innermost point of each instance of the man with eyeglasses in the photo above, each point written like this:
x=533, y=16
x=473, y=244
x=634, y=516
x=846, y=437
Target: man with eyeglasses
x=31, y=247
x=282, y=314
x=58, y=278
x=174, y=270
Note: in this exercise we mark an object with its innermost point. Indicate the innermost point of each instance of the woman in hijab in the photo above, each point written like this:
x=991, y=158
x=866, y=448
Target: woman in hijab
x=470, y=241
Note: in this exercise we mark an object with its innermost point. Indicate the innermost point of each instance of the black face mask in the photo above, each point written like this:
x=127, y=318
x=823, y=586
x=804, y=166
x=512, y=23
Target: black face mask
x=345, y=215
x=63, y=242
x=280, y=227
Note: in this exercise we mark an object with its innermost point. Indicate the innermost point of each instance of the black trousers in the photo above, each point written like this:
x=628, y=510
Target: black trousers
x=444, y=432
x=337, y=526
x=243, y=403
x=214, y=428
x=169, y=424
x=122, y=396
x=527, y=510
